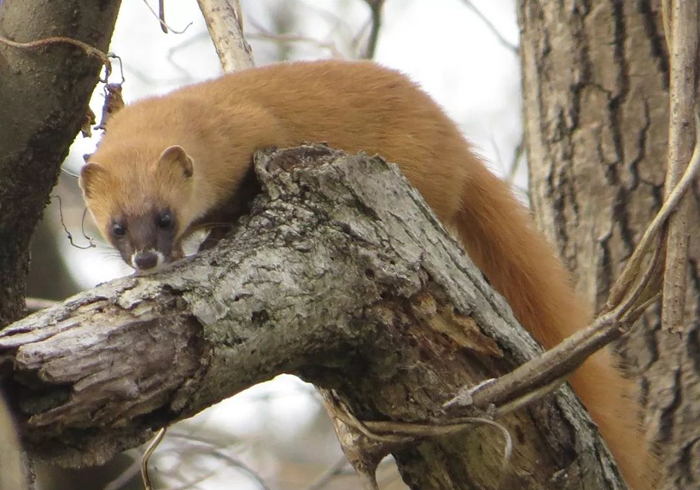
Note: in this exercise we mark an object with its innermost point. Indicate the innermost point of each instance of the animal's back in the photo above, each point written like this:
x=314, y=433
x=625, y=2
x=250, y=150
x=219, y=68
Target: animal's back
x=361, y=106
x=357, y=106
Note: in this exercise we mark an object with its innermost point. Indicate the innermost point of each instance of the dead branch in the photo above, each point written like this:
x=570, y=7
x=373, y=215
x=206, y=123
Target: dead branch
x=265, y=34
x=370, y=47
x=334, y=470
x=225, y=24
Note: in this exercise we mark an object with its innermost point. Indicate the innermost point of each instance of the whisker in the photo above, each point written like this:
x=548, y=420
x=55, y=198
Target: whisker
x=215, y=224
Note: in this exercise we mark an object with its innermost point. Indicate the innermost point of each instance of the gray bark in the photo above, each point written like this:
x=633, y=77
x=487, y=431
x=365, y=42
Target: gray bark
x=363, y=295
x=595, y=89
x=43, y=100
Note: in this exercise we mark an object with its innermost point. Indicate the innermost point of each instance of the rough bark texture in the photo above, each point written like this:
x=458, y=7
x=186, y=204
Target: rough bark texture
x=365, y=296
x=43, y=99
x=595, y=88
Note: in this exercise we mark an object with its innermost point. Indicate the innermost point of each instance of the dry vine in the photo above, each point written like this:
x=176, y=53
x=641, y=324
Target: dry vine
x=87, y=49
x=680, y=20
x=628, y=298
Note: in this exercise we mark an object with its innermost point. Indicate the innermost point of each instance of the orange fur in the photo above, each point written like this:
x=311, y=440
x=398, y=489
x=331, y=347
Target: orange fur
x=357, y=106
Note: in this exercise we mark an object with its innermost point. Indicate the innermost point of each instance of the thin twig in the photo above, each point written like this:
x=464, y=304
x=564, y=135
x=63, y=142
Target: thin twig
x=517, y=154
x=539, y=373
x=293, y=38
x=87, y=49
x=329, y=474
x=91, y=243
x=236, y=463
x=218, y=452
x=666, y=21
x=147, y=455
x=160, y=16
x=376, y=24
x=120, y=481
x=452, y=426
x=393, y=432
x=507, y=44
x=682, y=42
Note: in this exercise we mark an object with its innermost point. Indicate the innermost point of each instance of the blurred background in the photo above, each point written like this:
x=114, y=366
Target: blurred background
x=276, y=436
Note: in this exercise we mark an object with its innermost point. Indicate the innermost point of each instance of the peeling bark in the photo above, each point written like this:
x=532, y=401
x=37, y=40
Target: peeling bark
x=329, y=278
x=595, y=88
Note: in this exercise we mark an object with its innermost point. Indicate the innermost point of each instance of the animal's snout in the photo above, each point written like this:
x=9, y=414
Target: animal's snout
x=147, y=260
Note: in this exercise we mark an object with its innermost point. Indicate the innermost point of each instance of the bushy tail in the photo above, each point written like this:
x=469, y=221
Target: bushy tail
x=499, y=236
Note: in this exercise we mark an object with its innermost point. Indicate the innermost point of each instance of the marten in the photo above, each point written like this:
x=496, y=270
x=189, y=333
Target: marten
x=170, y=165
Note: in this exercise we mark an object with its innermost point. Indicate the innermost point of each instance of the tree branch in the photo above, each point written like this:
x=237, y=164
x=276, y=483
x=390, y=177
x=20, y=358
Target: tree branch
x=367, y=297
x=225, y=24
x=370, y=47
x=491, y=27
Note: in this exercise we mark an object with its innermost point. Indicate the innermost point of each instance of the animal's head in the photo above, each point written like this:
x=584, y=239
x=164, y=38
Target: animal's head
x=140, y=200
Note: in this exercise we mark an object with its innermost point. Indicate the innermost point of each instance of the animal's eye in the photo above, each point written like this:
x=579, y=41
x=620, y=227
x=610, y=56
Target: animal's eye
x=118, y=230
x=165, y=220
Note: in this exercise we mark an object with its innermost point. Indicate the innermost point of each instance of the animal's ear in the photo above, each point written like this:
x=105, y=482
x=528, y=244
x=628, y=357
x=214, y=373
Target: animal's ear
x=90, y=174
x=176, y=155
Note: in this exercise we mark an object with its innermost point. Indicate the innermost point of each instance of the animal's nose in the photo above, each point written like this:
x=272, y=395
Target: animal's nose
x=145, y=260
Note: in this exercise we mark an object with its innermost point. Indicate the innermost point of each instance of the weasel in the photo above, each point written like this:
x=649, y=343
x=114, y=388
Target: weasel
x=168, y=165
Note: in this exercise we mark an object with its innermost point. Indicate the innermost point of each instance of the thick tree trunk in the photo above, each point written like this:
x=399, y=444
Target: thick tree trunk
x=43, y=100
x=595, y=88
x=341, y=275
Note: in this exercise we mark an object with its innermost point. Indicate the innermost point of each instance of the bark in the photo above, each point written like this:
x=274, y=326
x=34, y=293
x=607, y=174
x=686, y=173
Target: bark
x=595, y=88
x=43, y=99
x=225, y=24
x=364, y=295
